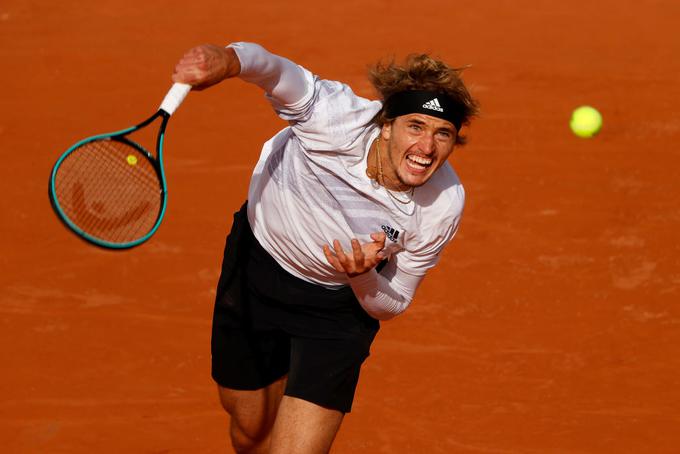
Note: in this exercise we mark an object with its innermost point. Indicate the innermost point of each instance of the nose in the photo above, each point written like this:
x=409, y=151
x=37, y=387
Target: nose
x=426, y=143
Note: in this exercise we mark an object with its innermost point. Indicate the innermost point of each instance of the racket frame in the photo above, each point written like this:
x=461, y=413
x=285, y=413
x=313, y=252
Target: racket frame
x=157, y=163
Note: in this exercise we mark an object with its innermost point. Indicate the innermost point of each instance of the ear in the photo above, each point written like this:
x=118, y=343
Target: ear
x=461, y=138
x=386, y=131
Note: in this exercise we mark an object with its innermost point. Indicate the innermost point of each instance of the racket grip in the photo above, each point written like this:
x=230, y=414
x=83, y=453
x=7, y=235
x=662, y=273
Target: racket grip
x=175, y=97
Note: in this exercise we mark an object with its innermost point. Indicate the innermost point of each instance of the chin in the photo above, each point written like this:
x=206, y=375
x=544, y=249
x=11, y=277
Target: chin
x=418, y=179
x=415, y=181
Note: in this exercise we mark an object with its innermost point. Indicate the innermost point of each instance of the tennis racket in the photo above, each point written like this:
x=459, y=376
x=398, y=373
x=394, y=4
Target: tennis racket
x=108, y=189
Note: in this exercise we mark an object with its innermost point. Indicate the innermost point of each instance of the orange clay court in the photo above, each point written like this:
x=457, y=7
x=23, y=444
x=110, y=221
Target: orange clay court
x=552, y=324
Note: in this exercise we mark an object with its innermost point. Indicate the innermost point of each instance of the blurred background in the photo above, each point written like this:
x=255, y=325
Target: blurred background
x=550, y=325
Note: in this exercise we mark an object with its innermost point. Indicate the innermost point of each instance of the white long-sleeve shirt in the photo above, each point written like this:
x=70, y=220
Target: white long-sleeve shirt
x=310, y=187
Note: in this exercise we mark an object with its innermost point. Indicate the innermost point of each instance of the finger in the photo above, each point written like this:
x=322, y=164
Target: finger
x=194, y=53
x=358, y=253
x=332, y=259
x=346, y=263
x=379, y=237
x=187, y=67
x=378, y=243
x=189, y=60
x=186, y=77
x=339, y=252
x=181, y=76
x=373, y=259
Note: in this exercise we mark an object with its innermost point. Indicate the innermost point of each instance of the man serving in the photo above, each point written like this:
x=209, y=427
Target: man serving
x=348, y=208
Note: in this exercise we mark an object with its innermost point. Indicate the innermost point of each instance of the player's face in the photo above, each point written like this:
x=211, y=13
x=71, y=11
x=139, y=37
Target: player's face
x=417, y=145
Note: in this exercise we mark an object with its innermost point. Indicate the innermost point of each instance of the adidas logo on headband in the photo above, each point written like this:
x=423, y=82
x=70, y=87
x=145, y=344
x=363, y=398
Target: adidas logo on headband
x=433, y=104
x=416, y=101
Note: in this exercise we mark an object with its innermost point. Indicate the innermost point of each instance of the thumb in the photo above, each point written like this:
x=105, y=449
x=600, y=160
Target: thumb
x=378, y=237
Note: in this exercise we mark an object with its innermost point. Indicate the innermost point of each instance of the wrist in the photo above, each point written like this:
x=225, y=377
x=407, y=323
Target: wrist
x=232, y=62
x=361, y=279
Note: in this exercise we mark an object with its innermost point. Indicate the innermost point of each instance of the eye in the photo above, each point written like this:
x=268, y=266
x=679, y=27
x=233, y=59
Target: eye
x=415, y=126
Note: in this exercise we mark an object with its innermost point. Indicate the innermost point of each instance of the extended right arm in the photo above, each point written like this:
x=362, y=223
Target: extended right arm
x=207, y=65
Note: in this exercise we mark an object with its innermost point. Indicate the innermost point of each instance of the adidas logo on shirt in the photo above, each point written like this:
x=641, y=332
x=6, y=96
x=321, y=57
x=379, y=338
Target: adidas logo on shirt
x=391, y=233
x=433, y=104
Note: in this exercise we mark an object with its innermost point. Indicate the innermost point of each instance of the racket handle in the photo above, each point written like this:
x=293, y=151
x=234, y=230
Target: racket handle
x=175, y=97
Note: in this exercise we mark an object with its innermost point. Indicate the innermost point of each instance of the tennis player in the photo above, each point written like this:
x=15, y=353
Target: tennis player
x=348, y=208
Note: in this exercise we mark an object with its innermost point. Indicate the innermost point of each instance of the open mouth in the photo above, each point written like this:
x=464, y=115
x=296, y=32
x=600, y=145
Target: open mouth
x=418, y=163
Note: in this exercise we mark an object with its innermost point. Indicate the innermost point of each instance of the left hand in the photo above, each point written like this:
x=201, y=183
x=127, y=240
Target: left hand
x=362, y=259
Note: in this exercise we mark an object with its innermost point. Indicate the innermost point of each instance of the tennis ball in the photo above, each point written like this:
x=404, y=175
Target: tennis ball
x=585, y=122
x=132, y=160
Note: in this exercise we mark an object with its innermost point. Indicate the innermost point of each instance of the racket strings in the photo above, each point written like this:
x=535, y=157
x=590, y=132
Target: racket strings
x=126, y=221
x=110, y=190
x=108, y=211
x=124, y=209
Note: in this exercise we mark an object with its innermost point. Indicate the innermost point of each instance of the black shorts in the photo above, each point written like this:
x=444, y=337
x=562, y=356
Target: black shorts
x=268, y=323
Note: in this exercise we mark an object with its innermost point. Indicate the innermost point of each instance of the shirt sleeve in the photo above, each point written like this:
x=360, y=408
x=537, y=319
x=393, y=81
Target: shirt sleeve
x=324, y=115
x=283, y=81
x=387, y=294
x=423, y=251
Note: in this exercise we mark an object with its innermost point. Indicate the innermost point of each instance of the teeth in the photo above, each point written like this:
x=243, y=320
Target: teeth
x=421, y=160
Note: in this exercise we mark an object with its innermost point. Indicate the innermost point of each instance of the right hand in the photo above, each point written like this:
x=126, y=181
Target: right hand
x=206, y=65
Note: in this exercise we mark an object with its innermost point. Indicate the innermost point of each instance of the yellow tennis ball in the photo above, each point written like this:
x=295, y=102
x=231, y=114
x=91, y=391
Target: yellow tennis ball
x=585, y=121
x=132, y=159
